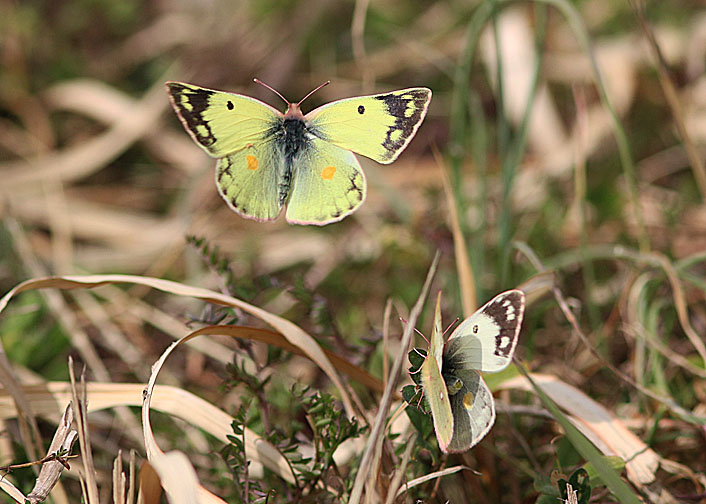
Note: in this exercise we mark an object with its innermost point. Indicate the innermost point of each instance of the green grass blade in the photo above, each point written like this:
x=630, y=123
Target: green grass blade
x=585, y=448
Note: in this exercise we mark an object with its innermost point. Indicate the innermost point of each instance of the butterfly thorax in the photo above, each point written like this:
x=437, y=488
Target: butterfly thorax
x=448, y=372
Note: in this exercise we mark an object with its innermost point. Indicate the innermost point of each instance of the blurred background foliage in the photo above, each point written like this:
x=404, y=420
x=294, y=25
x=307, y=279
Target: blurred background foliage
x=592, y=175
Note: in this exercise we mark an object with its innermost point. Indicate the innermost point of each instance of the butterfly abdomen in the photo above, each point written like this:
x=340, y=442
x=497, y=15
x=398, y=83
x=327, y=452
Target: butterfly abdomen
x=292, y=140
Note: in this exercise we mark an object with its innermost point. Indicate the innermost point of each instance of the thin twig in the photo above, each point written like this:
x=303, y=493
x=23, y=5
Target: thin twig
x=376, y=431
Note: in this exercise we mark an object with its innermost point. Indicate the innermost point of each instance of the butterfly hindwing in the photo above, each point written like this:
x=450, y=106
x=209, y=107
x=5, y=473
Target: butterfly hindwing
x=327, y=184
x=486, y=340
x=248, y=181
x=221, y=123
x=376, y=126
x=473, y=411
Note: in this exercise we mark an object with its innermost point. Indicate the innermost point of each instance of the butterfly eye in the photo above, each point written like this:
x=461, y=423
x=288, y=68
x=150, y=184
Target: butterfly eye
x=475, y=329
x=453, y=385
x=361, y=109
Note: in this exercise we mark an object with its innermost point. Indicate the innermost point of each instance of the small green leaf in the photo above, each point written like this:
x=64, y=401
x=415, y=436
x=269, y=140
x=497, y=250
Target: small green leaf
x=410, y=393
x=416, y=358
x=421, y=421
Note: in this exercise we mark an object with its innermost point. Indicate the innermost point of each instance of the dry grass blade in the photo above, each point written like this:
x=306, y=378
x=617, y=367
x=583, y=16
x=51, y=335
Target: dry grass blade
x=571, y=494
x=571, y=318
x=635, y=327
x=11, y=490
x=274, y=338
x=680, y=305
x=178, y=479
x=429, y=477
x=608, y=433
x=48, y=399
x=81, y=160
x=25, y=415
x=469, y=301
x=79, y=400
x=119, y=480
x=670, y=93
x=131, y=482
x=176, y=474
x=537, y=287
x=392, y=491
x=109, y=105
x=574, y=323
x=294, y=334
x=150, y=489
x=377, y=431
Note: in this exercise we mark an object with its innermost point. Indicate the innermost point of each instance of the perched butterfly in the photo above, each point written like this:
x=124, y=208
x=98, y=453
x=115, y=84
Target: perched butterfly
x=267, y=159
x=461, y=404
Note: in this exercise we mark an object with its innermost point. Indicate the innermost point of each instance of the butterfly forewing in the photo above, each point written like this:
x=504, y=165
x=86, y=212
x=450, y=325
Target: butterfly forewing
x=376, y=126
x=438, y=398
x=221, y=123
x=473, y=410
x=435, y=390
x=436, y=343
x=486, y=340
x=327, y=184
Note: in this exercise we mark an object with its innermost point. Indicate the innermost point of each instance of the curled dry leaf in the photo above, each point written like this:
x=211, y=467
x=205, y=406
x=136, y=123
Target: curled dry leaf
x=48, y=398
x=294, y=334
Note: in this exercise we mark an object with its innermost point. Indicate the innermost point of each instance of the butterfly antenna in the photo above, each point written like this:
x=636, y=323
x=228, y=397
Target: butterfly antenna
x=450, y=326
x=272, y=89
x=421, y=398
x=416, y=330
x=314, y=91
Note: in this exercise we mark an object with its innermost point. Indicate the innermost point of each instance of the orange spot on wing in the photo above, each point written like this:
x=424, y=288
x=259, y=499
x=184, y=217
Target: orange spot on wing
x=252, y=163
x=328, y=172
x=468, y=400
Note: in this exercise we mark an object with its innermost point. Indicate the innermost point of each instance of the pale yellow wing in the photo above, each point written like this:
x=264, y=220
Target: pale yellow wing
x=434, y=385
x=438, y=398
x=249, y=181
x=221, y=123
x=376, y=126
x=327, y=184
